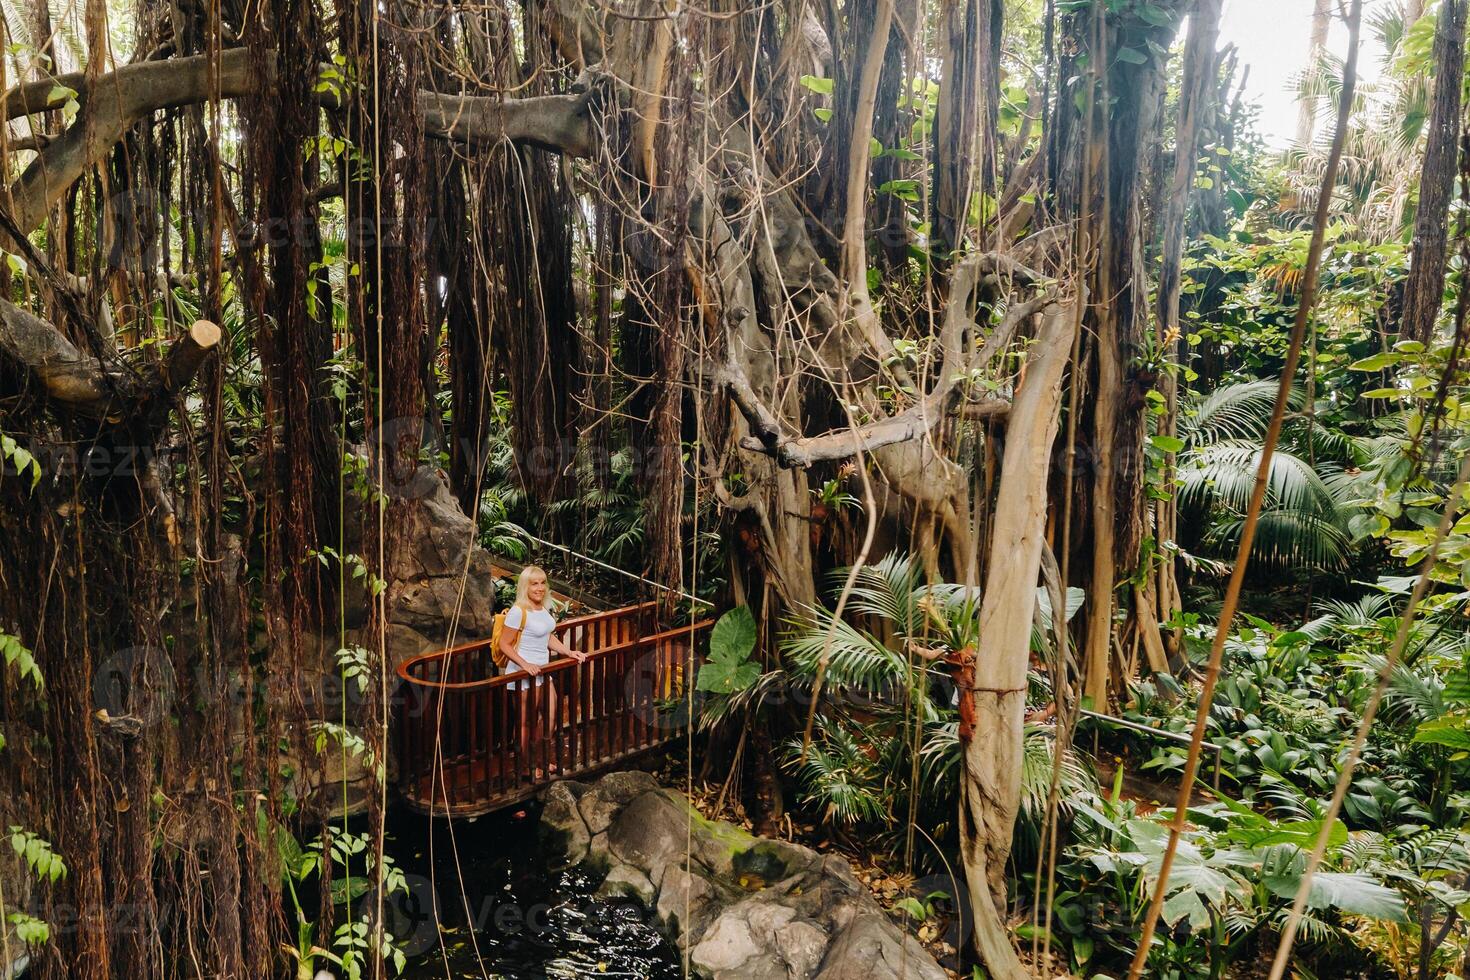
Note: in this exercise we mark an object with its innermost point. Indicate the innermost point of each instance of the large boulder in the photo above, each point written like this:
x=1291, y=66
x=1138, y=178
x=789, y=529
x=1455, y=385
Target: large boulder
x=440, y=591
x=439, y=579
x=743, y=907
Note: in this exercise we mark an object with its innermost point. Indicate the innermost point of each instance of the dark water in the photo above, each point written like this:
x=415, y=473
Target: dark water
x=502, y=914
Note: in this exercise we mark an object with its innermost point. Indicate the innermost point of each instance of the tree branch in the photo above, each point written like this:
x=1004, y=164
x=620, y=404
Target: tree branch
x=70, y=377
x=117, y=101
x=83, y=385
x=559, y=123
x=912, y=423
x=187, y=355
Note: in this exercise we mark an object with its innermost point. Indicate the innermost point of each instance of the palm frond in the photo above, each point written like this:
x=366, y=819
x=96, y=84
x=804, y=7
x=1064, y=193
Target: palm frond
x=1288, y=539
x=855, y=658
x=1224, y=473
x=1411, y=695
x=1238, y=411
x=717, y=710
x=887, y=588
x=1363, y=611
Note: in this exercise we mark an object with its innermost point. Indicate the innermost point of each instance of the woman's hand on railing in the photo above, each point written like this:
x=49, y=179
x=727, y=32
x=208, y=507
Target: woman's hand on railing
x=577, y=655
x=531, y=668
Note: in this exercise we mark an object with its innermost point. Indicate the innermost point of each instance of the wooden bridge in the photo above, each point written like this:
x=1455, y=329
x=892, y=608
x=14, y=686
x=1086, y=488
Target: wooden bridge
x=459, y=722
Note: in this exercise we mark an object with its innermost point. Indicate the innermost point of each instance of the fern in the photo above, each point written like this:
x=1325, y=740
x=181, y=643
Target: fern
x=839, y=775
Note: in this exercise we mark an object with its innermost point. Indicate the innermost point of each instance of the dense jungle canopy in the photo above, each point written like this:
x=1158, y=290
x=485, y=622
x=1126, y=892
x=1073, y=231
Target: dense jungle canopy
x=976, y=359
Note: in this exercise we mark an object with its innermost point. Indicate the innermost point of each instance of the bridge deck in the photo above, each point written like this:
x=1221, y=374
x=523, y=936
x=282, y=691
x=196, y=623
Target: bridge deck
x=461, y=729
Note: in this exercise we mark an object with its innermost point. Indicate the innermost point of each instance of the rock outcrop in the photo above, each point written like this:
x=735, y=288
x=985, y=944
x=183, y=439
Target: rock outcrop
x=743, y=907
x=439, y=587
x=439, y=580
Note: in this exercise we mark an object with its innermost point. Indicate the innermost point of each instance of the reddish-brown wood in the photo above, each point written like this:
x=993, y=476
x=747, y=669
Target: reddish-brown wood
x=459, y=724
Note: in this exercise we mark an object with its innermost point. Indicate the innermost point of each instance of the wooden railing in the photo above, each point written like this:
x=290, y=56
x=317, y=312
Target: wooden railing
x=462, y=729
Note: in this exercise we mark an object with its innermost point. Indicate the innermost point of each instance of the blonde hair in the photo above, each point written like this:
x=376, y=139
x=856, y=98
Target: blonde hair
x=523, y=582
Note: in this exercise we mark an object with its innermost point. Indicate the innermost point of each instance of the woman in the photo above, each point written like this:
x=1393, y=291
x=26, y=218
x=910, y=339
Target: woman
x=528, y=639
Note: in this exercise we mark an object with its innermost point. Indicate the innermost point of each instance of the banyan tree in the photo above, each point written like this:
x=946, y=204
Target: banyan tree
x=266, y=262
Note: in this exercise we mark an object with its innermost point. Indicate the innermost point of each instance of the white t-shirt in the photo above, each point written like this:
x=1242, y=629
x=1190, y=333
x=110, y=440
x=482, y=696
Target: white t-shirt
x=535, y=630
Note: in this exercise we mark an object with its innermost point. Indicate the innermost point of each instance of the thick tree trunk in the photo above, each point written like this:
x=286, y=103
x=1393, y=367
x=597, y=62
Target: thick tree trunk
x=991, y=780
x=1424, y=289
x=1111, y=495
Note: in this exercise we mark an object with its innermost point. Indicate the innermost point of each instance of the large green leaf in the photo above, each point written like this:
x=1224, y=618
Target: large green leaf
x=1212, y=884
x=1452, y=731
x=733, y=637
x=1457, y=686
x=1185, y=904
x=1264, y=832
x=1351, y=892
x=16, y=655
x=730, y=669
x=349, y=889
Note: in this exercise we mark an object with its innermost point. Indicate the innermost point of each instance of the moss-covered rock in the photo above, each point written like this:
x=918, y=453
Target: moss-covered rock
x=745, y=907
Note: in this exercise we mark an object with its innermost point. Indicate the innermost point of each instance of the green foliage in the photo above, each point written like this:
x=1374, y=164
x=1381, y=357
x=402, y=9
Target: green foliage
x=1302, y=524
x=920, y=909
x=21, y=660
x=1235, y=875
x=356, y=665
x=36, y=852
x=352, y=566
x=25, y=464
x=351, y=742
x=885, y=745
x=729, y=669
x=352, y=857
x=355, y=940
x=1286, y=703
x=29, y=930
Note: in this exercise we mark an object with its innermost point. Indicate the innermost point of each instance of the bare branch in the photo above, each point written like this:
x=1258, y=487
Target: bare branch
x=187, y=355
x=952, y=363
x=559, y=123
x=80, y=383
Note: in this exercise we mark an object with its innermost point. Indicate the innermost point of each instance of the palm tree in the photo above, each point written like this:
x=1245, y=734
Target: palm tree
x=1383, y=148
x=1303, y=523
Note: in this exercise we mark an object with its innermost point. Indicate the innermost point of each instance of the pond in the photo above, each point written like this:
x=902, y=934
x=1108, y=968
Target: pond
x=503, y=915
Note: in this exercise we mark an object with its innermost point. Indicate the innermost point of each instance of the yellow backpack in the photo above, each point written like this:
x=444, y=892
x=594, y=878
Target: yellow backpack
x=496, y=654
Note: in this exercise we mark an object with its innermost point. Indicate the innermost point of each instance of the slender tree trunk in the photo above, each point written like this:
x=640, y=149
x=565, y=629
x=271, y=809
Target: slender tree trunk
x=1198, y=88
x=1424, y=289
x=1306, y=118
x=991, y=783
x=965, y=120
